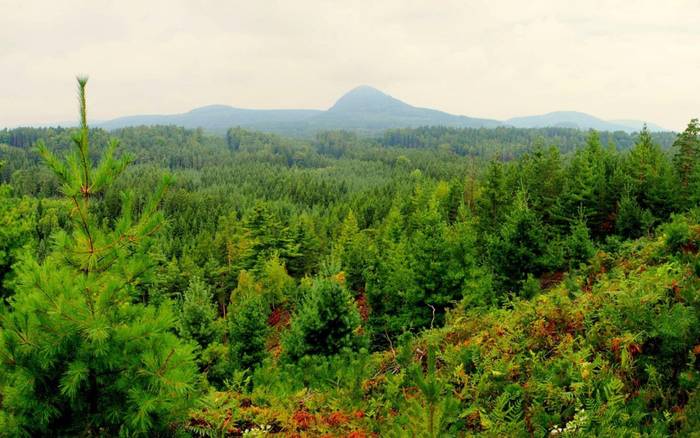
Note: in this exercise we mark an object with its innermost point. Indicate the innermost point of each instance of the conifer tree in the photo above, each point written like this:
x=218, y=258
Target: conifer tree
x=351, y=248
x=83, y=353
x=248, y=332
x=269, y=237
x=327, y=322
x=198, y=313
x=494, y=197
x=687, y=147
x=578, y=247
x=651, y=177
x=520, y=247
x=17, y=218
x=579, y=195
x=540, y=174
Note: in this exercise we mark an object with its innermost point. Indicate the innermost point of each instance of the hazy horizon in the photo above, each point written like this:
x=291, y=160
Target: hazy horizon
x=483, y=59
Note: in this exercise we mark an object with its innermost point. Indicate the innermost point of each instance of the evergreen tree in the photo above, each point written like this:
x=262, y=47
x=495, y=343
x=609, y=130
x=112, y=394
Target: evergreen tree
x=351, y=248
x=520, y=247
x=198, y=313
x=630, y=217
x=540, y=174
x=327, y=323
x=390, y=283
x=442, y=261
x=582, y=180
x=494, y=197
x=248, y=332
x=277, y=286
x=651, y=177
x=269, y=237
x=687, y=147
x=83, y=353
x=578, y=247
x=17, y=220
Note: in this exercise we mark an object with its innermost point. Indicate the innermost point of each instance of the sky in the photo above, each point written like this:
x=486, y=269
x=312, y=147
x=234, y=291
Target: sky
x=625, y=59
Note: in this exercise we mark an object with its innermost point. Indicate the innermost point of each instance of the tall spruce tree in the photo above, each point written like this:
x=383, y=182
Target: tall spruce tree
x=650, y=176
x=82, y=350
x=687, y=147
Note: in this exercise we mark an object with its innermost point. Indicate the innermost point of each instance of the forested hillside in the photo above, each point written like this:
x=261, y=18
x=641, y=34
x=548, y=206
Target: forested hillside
x=161, y=281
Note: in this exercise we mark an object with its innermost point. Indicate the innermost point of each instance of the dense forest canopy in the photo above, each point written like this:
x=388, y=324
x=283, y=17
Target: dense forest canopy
x=161, y=281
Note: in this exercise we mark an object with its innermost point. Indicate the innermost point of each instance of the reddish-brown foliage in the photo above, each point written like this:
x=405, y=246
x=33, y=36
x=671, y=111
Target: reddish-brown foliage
x=246, y=403
x=336, y=419
x=278, y=318
x=690, y=248
x=615, y=344
x=302, y=419
x=362, y=306
x=551, y=279
x=634, y=349
x=474, y=420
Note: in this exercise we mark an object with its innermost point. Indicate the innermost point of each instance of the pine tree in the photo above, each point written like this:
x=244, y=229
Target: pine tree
x=83, y=353
x=269, y=236
x=578, y=247
x=687, y=147
x=327, y=322
x=351, y=248
x=540, y=174
x=579, y=194
x=494, y=197
x=520, y=247
x=17, y=220
x=277, y=286
x=198, y=313
x=651, y=177
x=248, y=332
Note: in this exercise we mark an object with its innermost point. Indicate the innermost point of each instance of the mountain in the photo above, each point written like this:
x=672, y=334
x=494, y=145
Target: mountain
x=578, y=120
x=636, y=125
x=217, y=118
x=363, y=109
x=366, y=108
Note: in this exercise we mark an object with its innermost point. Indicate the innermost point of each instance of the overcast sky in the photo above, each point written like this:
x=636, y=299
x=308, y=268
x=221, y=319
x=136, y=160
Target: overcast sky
x=496, y=59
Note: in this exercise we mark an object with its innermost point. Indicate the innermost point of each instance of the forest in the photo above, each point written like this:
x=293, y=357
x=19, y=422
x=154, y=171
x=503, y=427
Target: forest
x=423, y=282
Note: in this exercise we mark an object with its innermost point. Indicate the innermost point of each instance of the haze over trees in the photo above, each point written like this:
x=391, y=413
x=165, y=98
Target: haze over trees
x=426, y=281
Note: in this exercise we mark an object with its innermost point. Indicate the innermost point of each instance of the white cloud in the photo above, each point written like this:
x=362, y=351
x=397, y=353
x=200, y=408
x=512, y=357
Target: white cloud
x=614, y=59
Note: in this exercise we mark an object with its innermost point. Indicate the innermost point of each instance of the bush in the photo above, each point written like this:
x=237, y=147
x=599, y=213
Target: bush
x=677, y=233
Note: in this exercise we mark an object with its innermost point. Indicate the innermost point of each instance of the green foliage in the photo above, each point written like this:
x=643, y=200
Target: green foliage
x=248, y=332
x=492, y=269
x=198, y=314
x=17, y=220
x=83, y=351
x=685, y=160
x=520, y=246
x=578, y=247
x=351, y=248
x=677, y=233
x=327, y=322
x=418, y=274
x=432, y=416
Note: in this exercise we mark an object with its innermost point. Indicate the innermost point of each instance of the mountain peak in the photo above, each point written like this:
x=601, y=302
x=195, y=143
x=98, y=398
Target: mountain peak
x=366, y=99
x=578, y=120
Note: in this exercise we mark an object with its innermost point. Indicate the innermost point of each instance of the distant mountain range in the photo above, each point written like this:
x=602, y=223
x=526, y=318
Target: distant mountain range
x=578, y=120
x=362, y=109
